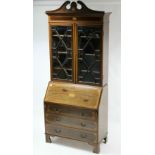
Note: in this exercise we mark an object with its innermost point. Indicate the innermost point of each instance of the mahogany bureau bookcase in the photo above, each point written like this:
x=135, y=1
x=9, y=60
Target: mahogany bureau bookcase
x=76, y=100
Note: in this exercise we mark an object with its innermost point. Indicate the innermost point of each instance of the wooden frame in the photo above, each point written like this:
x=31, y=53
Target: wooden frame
x=74, y=25
x=50, y=47
x=74, y=17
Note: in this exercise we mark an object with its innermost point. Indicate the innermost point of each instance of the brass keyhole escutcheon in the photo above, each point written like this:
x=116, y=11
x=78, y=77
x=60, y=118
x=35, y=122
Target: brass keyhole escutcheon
x=85, y=100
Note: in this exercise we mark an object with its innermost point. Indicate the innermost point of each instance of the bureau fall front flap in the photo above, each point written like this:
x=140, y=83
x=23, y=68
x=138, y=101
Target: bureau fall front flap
x=78, y=95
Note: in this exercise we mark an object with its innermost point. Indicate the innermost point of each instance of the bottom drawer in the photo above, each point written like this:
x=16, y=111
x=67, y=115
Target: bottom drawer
x=62, y=131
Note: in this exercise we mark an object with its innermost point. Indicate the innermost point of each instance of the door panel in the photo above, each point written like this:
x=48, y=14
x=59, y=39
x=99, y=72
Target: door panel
x=62, y=53
x=89, y=54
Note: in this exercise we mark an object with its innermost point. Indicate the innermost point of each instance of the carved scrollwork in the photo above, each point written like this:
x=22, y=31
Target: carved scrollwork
x=74, y=6
x=78, y=8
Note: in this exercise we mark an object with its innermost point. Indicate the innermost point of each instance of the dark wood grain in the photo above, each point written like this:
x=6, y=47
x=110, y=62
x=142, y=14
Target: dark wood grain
x=77, y=109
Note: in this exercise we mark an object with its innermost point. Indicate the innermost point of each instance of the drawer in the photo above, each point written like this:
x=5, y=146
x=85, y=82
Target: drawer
x=72, y=133
x=72, y=111
x=71, y=121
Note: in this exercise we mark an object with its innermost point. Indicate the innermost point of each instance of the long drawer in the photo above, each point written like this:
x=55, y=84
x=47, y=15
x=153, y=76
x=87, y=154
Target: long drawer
x=71, y=122
x=90, y=137
x=71, y=111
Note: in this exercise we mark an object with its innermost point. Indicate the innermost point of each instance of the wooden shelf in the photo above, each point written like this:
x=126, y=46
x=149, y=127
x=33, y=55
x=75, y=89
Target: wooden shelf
x=97, y=78
x=54, y=57
x=81, y=77
x=96, y=72
x=61, y=35
x=63, y=52
x=92, y=37
x=81, y=49
x=89, y=54
x=59, y=68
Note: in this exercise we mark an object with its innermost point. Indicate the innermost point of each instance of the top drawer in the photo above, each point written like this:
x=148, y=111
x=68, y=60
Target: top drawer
x=71, y=111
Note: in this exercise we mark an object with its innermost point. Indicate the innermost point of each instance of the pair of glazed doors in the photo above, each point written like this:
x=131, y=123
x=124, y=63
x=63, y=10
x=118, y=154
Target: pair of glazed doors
x=76, y=53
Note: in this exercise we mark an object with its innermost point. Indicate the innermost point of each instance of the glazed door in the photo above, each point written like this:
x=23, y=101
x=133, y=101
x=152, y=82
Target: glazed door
x=89, y=55
x=61, y=53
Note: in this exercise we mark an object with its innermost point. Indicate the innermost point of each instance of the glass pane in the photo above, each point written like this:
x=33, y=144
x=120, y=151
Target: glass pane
x=62, y=52
x=89, y=54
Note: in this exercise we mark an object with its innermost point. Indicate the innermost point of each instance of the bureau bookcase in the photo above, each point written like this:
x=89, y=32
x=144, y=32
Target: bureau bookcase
x=76, y=100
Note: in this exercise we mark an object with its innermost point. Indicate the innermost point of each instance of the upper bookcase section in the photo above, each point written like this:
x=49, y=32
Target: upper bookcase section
x=78, y=9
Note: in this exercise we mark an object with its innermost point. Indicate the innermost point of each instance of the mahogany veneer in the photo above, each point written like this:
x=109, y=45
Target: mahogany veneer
x=76, y=99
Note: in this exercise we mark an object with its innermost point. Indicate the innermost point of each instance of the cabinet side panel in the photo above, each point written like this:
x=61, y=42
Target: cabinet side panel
x=50, y=47
x=103, y=108
x=105, y=47
x=103, y=115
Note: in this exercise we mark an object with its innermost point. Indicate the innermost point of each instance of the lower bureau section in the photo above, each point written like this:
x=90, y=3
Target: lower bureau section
x=71, y=133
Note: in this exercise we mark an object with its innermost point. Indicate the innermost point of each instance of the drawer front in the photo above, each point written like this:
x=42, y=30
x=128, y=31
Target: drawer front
x=66, y=132
x=70, y=121
x=74, y=112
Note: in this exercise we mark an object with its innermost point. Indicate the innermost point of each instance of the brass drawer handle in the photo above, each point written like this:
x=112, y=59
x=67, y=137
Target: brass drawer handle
x=83, y=124
x=83, y=136
x=57, y=130
x=57, y=119
x=84, y=114
x=56, y=109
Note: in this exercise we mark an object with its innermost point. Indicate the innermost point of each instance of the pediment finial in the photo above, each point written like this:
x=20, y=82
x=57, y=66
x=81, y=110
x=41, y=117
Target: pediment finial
x=71, y=8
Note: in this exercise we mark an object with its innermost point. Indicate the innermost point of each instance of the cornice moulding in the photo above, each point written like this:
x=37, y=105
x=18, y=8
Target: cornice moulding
x=60, y=2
